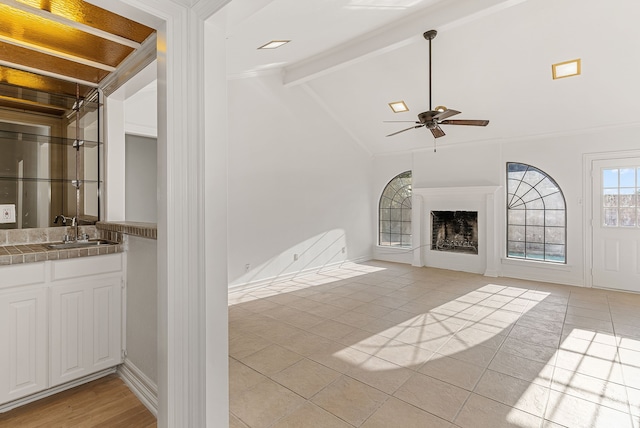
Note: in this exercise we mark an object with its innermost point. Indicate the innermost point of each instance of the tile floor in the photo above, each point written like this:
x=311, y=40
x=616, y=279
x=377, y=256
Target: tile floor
x=383, y=345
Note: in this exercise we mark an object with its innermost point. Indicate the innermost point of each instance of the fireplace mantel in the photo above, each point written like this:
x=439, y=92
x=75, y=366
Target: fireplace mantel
x=471, y=198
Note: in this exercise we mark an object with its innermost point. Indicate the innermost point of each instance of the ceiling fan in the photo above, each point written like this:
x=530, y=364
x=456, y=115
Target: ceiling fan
x=433, y=118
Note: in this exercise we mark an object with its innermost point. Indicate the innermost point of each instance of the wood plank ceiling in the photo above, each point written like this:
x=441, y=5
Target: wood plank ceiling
x=60, y=47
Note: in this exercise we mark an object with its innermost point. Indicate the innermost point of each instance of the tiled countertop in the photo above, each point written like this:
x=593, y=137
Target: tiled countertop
x=29, y=253
x=143, y=230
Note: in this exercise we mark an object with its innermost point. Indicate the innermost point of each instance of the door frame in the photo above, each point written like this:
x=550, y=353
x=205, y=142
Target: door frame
x=587, y=206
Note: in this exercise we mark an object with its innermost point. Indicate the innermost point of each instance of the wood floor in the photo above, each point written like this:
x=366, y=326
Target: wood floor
x=104, y=403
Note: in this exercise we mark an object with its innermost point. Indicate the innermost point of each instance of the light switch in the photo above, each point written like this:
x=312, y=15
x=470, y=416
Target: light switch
x=8, y=213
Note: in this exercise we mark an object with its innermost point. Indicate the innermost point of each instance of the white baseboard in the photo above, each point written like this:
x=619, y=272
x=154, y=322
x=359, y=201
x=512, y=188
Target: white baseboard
x=286, y=277
x=143, y=387
x=56, y=389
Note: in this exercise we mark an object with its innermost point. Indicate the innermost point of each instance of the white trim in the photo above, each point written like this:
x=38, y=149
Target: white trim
x=52, y=391
x=144, y=388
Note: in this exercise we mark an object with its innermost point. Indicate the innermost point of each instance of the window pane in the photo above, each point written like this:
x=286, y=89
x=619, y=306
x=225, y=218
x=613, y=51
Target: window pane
x=609, y=178
x=396, y=227
x=396, y=214
x=610, y=198
x=516, y=217
x=555, y=253
x=515, y=249
x=554, y=217
x=535, y=217
x=385, y=202
x=396, y=239
x=535, y=234
x=385, y=214
x=406, y=240
x=406, y=228
x=406, y=215
x=512, y=185
x=535, y=251
x=533, y=177
x=555, y=201
x=531, y=196
x=546, y=187
x=384, y=238
x=627, y=217
x=627, y=197
x=628, y=177
x=554, y=235
x=610, y=217
x=523, y=190
x=516, y=233
x=536, y=204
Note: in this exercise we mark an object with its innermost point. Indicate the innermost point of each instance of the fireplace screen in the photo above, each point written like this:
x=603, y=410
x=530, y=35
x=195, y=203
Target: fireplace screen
x=455, y=231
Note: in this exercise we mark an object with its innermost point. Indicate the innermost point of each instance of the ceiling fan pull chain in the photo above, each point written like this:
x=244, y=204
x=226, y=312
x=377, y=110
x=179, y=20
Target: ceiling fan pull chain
x=435, y=140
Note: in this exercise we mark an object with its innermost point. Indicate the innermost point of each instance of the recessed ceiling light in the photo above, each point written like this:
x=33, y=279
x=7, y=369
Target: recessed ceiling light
x=274, y=44
x=398, y=106
x=566, y=69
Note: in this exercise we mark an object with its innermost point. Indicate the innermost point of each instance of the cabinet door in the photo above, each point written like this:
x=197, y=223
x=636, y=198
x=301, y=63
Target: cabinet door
x=23, y=343
x=85, y=327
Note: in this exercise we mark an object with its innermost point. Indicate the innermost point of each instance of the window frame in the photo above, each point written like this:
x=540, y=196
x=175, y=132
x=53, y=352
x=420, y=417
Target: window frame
x=405, y=211
x=544, y=227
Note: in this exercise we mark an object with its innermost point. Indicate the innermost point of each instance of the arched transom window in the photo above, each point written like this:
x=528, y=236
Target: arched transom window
x=395, y=212
x=536, y=215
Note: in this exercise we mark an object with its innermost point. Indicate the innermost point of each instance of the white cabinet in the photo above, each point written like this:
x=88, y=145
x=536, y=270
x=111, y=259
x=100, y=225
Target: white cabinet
x=59, y=321
x=85, y=327
x=23, y=343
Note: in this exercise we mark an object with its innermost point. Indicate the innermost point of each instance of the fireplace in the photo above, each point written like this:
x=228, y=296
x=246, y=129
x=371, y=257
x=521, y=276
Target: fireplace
x=454, y=231
x=455, y=228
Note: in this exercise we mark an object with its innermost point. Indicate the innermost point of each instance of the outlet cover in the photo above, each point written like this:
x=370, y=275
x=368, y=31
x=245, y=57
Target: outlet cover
x=8, y=213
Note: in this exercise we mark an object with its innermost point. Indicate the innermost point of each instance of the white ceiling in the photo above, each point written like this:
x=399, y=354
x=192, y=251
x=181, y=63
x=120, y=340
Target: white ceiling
x=491, y=60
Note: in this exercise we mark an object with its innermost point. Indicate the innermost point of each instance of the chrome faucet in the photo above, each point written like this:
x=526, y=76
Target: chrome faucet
x=74, y=224
x=64, y=220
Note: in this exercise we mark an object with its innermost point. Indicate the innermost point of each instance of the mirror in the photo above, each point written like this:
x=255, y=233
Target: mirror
x=49, y=165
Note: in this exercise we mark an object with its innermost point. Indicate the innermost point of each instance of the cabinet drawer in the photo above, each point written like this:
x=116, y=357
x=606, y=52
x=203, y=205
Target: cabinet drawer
x=22, y=274
x=84, y=266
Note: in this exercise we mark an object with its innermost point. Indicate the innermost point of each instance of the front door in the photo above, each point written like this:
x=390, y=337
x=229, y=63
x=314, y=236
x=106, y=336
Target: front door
x=616, y=224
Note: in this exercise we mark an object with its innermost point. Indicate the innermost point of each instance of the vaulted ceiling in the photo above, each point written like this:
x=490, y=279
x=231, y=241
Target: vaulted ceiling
x=491, y=60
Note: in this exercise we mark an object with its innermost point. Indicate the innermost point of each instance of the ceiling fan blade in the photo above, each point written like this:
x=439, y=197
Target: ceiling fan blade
x=445, y=114
x=437, y=132
x=413, y=127
x=465, y=122
x=400, y=121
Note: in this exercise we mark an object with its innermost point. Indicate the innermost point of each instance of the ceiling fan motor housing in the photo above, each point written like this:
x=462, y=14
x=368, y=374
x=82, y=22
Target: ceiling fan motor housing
x=427, y=116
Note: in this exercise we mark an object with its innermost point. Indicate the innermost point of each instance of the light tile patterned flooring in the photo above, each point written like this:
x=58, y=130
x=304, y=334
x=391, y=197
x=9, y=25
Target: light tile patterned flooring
x=383, y=345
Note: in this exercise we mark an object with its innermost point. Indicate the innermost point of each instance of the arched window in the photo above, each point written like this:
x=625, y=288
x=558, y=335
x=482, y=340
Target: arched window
x=536, y=215
x=395, y=212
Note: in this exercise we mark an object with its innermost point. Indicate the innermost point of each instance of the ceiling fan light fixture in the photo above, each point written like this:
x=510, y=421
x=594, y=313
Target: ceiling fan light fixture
x=440, y=108
x=398, y=106
x=567, y=69
x=273, y=44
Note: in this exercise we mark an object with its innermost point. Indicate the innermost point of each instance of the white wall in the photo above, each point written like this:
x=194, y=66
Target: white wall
x=141, y=197
x=297, y=184
x=142, y=307
x=484, y=164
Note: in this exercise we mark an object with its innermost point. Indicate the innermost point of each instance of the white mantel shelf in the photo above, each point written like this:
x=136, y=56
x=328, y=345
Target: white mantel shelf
x=470, y=198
